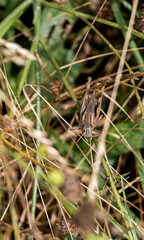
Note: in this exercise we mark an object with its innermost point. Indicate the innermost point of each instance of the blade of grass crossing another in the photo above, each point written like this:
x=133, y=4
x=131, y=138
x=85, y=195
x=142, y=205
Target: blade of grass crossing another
x=12, y=17
x=126, y=209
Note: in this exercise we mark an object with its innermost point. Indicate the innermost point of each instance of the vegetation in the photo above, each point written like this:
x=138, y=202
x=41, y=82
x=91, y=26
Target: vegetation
x=66, y=172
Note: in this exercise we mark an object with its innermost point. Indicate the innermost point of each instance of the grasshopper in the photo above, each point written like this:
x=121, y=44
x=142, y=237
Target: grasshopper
x=90, y=112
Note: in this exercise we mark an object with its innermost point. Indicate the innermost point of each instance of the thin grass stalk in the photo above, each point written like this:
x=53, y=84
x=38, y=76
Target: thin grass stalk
x=13, y=212
x=12, y=17
x=37, y=19
x=127, y=210
x=82, y=16
x=25, y=71
x=116, y=194
x=111, y=47
x=23, y=154
x=8, y=22
x=9, y=35
x=4, y=27
x=51, y=187
x=140, y=185
x=90, y=17
x=140, y=169
x=127, y=5
x=61, y=75
x=37, y=169
x=117, y=54
x=120, y=20
x=122, y=62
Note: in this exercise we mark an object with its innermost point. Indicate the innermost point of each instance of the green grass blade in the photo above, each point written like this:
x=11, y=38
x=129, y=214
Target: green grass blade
x=37, y=21
x=90, y=17
x=11, y=18
x=61, y=75
x=120, y=20
x=140, y=169
x=132, y=231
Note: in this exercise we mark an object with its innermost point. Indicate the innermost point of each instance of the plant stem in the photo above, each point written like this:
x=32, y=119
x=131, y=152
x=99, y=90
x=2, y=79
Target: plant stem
x=37, y=18
x=115, y=192
x=23, y=154
x=90, y=17
x=13, y=212
x=120, y=20
x=117, y=54
x=12, y=17
x=25, y=71
x=61, y=75
x=99, y=155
